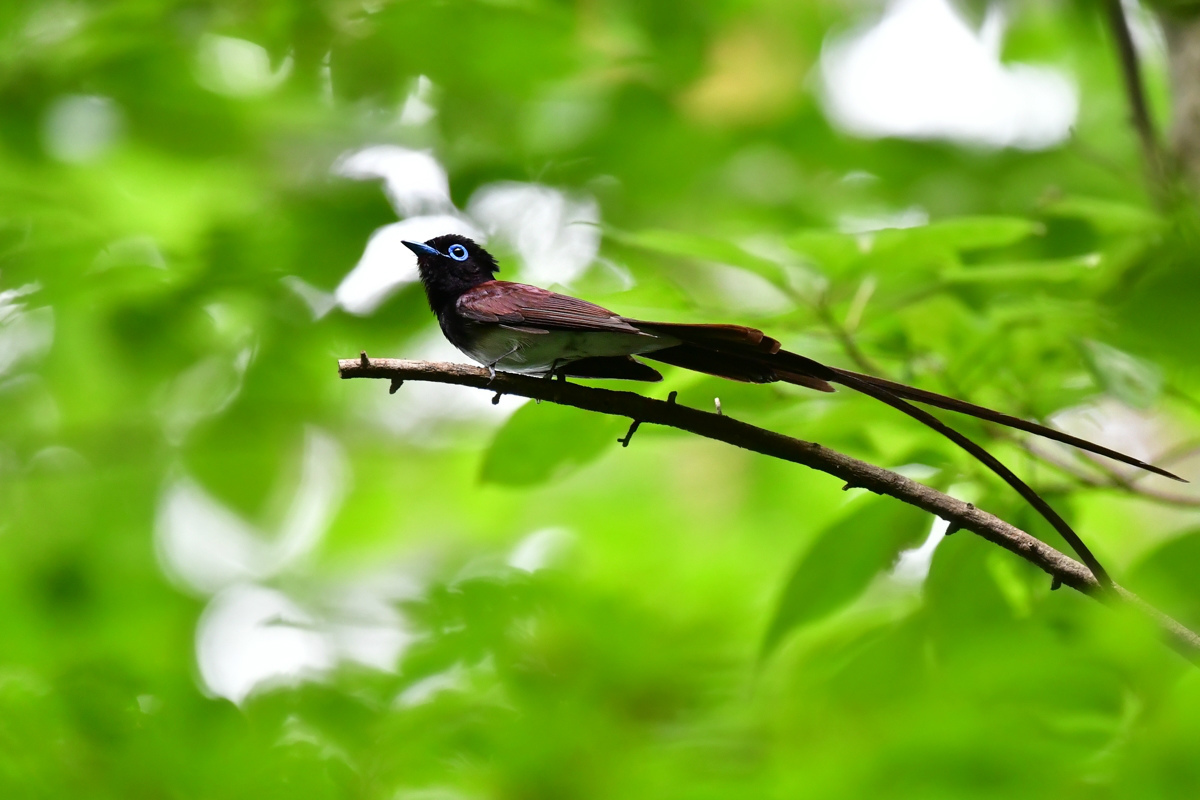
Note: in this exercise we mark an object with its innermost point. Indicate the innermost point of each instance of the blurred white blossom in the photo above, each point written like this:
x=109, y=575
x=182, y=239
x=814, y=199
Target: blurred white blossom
x=920, y=72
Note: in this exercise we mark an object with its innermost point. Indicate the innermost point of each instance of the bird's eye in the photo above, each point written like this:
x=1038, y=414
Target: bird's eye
x=457, y=252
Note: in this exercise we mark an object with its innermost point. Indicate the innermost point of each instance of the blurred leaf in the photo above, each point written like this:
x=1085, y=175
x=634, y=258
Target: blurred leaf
x=829, y=250
x=468, y=620
x=1166, y=577
x=1131, y=380
x=1050, y=271
x=677, y=243
x=961, y=233
x=544, y=441
x=842, y=560
x=1157, y=308
x=1107, y=216
x=906, y=256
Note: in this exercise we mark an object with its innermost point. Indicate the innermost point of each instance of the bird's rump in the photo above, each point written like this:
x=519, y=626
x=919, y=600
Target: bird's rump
x=736, y=352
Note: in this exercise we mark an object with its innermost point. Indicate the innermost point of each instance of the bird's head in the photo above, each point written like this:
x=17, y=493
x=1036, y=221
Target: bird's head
x=451, y=264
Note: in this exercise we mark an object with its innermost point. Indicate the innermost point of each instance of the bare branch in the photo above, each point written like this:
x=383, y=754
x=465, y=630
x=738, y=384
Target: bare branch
x=851, y=471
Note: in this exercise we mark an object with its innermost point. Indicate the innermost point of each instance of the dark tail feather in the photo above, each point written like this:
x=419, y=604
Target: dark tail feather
x=980, y=412
x=750, y=368
x=735, y=352
x=746, y=354
x=991, y=462
x=617, y=367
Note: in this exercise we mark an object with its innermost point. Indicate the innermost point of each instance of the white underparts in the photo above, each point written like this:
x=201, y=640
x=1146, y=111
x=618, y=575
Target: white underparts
x=516, y=349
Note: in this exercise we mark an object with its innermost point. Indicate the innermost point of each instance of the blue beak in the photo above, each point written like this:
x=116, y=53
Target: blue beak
x=421, y=249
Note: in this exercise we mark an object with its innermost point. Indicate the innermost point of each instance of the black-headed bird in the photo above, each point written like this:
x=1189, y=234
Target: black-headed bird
x=513, y=327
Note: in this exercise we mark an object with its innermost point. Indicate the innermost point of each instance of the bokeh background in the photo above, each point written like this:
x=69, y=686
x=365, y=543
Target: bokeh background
x=226, y=573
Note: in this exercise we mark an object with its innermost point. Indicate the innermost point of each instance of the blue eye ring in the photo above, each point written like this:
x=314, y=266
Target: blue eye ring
x=457, y=252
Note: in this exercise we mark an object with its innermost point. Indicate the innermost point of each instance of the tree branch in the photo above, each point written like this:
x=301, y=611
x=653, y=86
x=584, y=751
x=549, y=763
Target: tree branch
x=853, y=472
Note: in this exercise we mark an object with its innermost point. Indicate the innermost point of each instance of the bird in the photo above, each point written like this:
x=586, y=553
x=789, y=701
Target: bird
x=515, y=327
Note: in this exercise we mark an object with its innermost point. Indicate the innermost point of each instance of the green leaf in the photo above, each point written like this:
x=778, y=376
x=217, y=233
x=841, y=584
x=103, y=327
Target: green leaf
x=1058, y=270
x=830, y=251
x=546, y=441
x=1106, y=216
x=909, y=253
x=708, y=248
x=1166, y=577
x=962, y=233
x=845, y=557
x=1131, y=380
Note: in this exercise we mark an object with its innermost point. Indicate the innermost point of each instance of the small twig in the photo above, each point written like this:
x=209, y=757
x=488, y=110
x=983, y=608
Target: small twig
x=858, y=305
x=845, y=338
x=852, y=471
x=820, y=306
x=1139, y=108
x=953, y=527
x=395, y=387
x=633, y=426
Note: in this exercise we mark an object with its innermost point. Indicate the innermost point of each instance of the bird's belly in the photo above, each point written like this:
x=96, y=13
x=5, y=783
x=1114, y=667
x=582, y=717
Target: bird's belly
x=521, y=351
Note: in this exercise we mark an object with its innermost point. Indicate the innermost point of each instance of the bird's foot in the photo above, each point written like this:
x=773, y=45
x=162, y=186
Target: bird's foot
x=491, y=368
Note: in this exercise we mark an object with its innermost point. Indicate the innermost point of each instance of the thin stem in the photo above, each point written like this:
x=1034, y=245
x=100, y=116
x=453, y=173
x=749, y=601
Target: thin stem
x=1139, y=108
x=845, y=339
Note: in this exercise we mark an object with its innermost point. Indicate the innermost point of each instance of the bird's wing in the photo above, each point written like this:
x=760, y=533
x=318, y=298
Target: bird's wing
x=529, y=306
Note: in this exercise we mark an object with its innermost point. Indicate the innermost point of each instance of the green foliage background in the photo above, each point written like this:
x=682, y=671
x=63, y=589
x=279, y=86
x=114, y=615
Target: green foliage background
x=714, y=624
